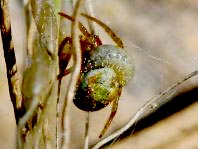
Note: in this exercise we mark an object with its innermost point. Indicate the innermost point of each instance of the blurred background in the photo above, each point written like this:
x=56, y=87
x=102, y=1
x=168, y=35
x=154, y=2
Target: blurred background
x=162, y=38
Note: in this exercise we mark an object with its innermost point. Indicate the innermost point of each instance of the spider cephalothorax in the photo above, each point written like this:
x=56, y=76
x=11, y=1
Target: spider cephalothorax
x=105, y=69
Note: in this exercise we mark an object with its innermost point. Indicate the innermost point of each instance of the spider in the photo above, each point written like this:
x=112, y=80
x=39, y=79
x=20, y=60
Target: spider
x=104, y=69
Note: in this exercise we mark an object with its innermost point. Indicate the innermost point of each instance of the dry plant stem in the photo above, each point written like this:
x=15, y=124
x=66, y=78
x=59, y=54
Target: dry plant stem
x=64, y=26
x=9, y=55
x=29, y=113
x=145, y=110
x=75, y=75
x=43, y=127
x=30, y=28
x=30, y=41
x=64, y=31
x=27, y=15
x=58, y=115
x=25, y=118
x=86, y=145
x=89, y=11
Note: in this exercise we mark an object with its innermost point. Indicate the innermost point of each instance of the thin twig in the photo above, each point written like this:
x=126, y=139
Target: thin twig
x=30, y=29
x=58, y=115
x=9, y=55
x=23, y=121
x=145, y=110
x=64, y=31
x=64, y=26
x=86, y=145
x=75, y=75
x=89, y=11
x=28, y=15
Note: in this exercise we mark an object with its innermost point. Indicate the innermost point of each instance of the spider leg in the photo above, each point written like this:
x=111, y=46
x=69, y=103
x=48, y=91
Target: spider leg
x=65, y=72
x=64, y=55
x=113, y=36
x=112, y=115
x=81, y=26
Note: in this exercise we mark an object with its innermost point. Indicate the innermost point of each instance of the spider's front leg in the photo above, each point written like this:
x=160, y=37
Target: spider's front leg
x=64, y=54
x=109, y=31
x=112, y=115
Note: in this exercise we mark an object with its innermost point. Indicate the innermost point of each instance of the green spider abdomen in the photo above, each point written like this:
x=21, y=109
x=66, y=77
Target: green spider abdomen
x=97, y=89
x=108, y=70
x=115, y=58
